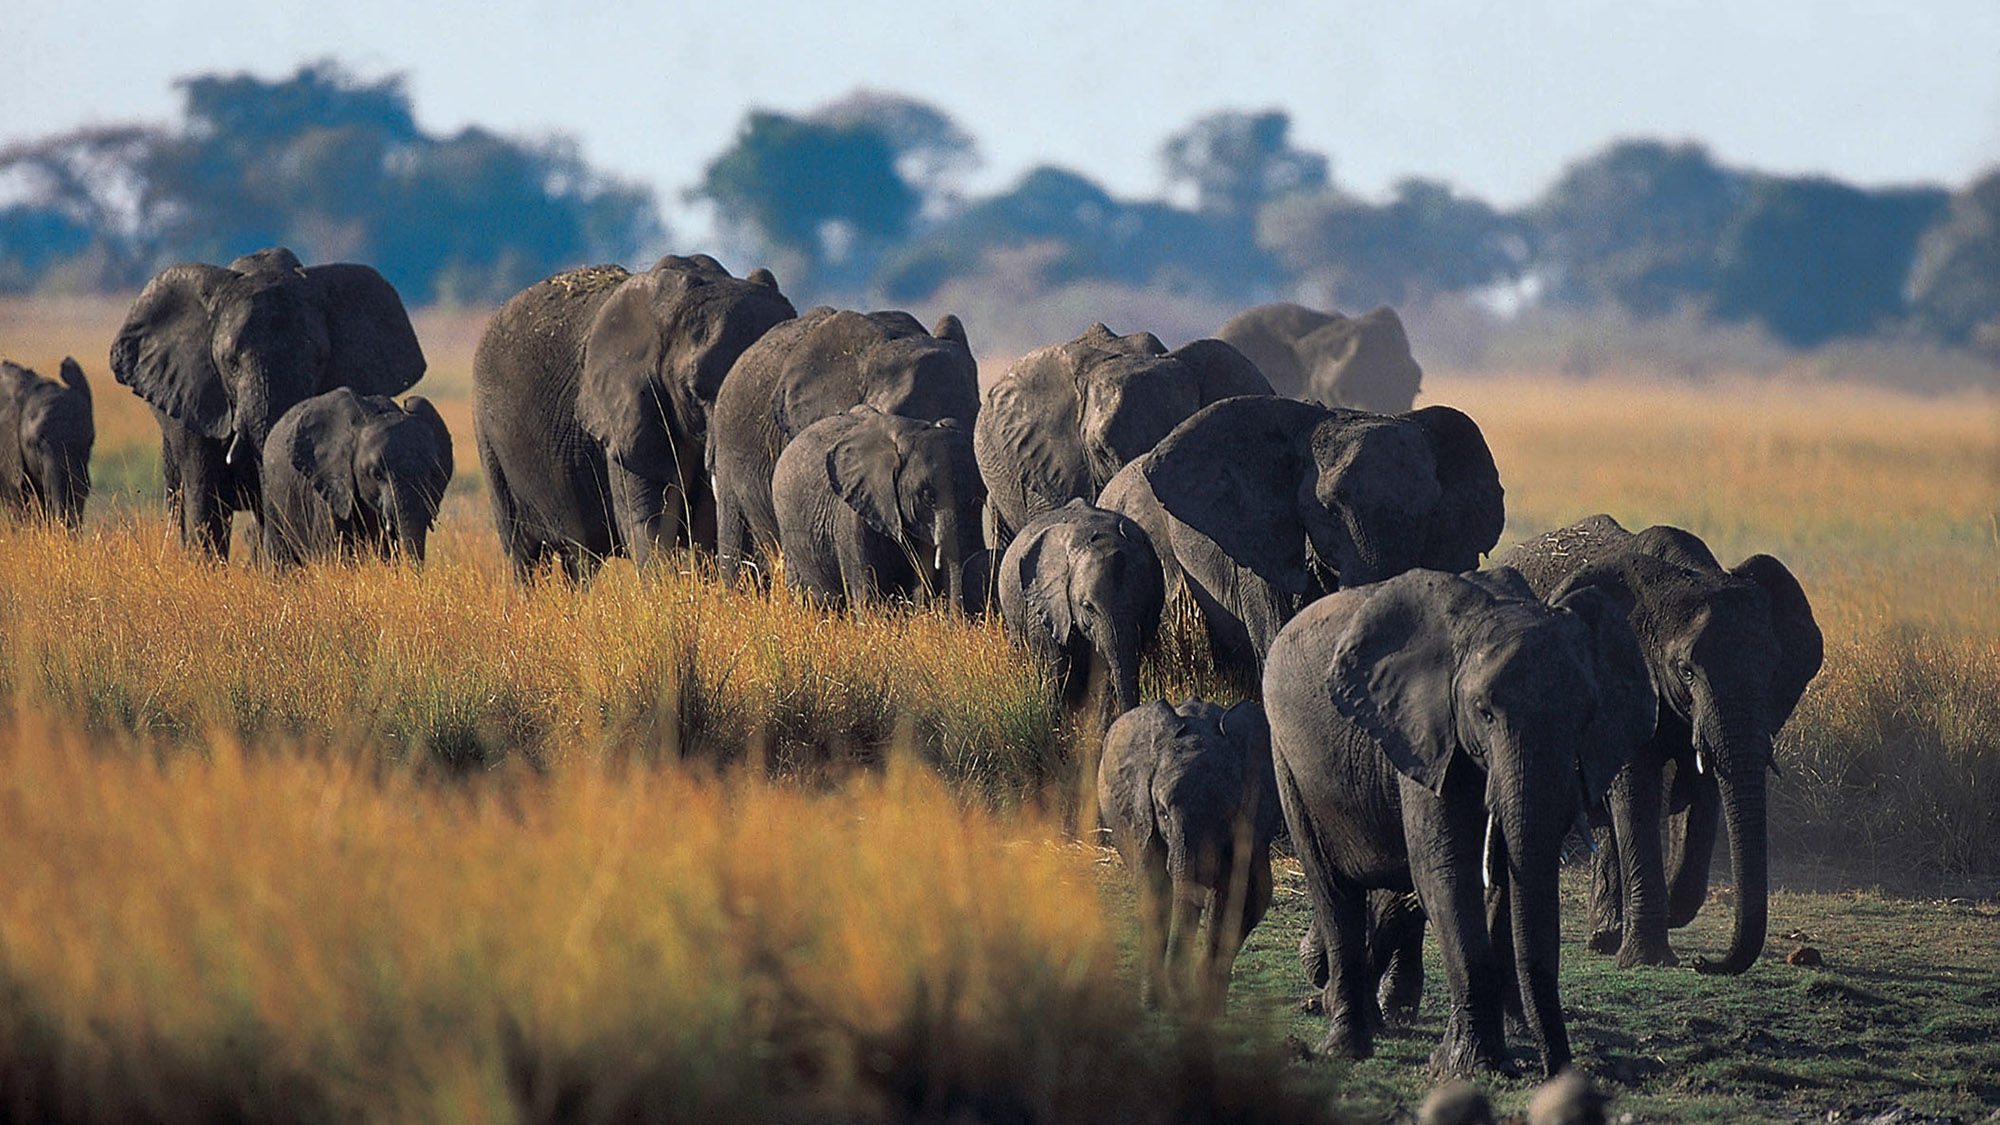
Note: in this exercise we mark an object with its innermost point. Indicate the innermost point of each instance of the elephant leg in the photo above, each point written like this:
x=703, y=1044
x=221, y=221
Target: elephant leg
x=1607, y=892
x=1396, y=953
x=1186, y=968
x=732, y=535
x=648, y=514
x=1445, y=845
x=857, y=570
x=1635, y=818
x=1155, y=894
x=195, y=475
x=1234, y=913
x=1696, y=804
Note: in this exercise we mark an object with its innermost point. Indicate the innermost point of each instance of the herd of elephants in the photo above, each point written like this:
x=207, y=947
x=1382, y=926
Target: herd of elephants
x=1426, y=731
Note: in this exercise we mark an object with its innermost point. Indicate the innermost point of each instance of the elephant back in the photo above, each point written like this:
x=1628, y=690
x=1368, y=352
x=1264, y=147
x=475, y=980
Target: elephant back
x=1267, y=335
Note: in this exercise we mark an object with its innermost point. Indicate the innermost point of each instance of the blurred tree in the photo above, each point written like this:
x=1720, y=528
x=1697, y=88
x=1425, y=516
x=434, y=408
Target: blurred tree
x=335, y=168
x=932, y=153
x=829, y=196
x=1237, y=161
x=1813, y=259
x=1636, y=225
x=1954, y=285
x=1427, y=239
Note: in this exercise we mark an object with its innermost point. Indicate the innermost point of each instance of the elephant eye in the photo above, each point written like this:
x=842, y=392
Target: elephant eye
x=1687, y=672
x=1484, y=712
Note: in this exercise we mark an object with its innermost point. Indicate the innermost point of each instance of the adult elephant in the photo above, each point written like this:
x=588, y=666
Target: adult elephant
x=1068, y=416
x=1440, y=733
x=346, y=474
x=1362, y=362
x=1080, y=589
x=219, y=352
x=591, y=393
x=1258, y=505
x=46, y=431
x=1730, y=652
x=872, y=504
x=815, y=367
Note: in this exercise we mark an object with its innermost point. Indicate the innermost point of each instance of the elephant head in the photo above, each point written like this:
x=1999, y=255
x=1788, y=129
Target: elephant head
x=1361, y=362
x=915, y=483
x=883, y=359
x=381, y=469
x=1729, y=653
x=1545, y=701
x=1190, y=799
x=1081, y=571
x=46, y=433
x=656, y=353
x=225, y=350
x=1067, y=417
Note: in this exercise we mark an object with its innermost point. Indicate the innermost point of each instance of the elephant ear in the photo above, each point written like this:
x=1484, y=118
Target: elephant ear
x=1232, y=473
x=1125, y=781
x=323, y=444
x=371, y=344
x=1043, y=580
x=949, y=327
x=861, y=467
x=1801, y=647
x=763, y=277
x=1394, y=664
x=16, y=383
x=1472, y=512
x=165, y=350
x=620, y=400
x=420, y=408
x=822, y=375
x=1028, y=430
x=1245, y=725
x=1221, y=371
x=1627, y=706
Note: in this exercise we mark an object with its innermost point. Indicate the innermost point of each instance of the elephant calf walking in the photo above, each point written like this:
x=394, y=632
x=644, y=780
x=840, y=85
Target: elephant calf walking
x=1190, y=801
x=346, y=473
x=46, y=431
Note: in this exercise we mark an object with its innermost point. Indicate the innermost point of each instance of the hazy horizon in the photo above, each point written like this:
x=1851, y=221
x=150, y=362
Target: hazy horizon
x=1494, y=101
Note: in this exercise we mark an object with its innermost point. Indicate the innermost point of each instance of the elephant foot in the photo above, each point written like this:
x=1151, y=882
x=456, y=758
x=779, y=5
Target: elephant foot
x=1646, y=952
x=1348, y=1039
x=1401, y=991
x=1604, y=941
x=1459, y=1056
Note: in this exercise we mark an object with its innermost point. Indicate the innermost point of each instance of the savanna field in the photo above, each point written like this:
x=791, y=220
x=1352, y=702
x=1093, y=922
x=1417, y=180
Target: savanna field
x=385, y=843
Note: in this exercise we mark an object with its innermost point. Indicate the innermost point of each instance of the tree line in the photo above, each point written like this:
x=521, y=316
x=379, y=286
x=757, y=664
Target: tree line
x=862, y=200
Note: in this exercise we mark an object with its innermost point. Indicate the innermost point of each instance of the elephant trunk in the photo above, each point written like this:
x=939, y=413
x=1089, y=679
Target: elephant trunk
x=1534, y=905
x=409, y=525
x=1741, y=777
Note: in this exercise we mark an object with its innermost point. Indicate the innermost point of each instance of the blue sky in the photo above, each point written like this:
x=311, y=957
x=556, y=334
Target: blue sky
x=1493, y=97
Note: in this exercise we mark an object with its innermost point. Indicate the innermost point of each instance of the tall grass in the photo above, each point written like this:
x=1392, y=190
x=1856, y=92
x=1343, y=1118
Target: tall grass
x=457, y=664
x=303, y=935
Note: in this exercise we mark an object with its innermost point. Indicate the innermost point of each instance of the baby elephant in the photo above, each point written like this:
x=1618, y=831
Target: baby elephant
x=1192, y=805
x=46, y=433
x=872, y=504
x=1080, y=587
x=346, y=473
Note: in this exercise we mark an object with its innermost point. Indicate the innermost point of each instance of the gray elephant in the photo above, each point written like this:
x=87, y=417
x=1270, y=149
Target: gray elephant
x=871, y=504
x=812, y=368
x=346, y=474
x=1441, y=733
x=591, y=394
x=1080, y=589
x=1730, y=653
x=1192, y=807
x=219, y=352
x=1259, y=505
x=46, y=431
x=1066, y=417
x=1361, y=362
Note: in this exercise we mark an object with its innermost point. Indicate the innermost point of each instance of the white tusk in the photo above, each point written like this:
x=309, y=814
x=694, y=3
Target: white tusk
x=1700, y=765
x=1486, y=855
x=938, y=562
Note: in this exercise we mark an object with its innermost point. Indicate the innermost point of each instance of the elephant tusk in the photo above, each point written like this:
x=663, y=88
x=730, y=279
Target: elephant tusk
x=235, y=453
x=938, y=562
x=1486, y=853
x=1700, y=761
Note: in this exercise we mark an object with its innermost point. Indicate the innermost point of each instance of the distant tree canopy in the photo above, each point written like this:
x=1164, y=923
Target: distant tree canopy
x=1813, y=259
x=863, y=200
x=332, y=166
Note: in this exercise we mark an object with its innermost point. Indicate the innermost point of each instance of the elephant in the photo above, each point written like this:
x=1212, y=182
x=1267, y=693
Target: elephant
x=1066, y=417
x=1188, y=796
x=1080, y=588
x=811, y=368
x=1360, y=362
x=591, y=396
x=46, y=431
x=1729, y=652
x=871, y=504
x=1441, y=733
x=220, y=352
x=345, y=473
x=1258, y=505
